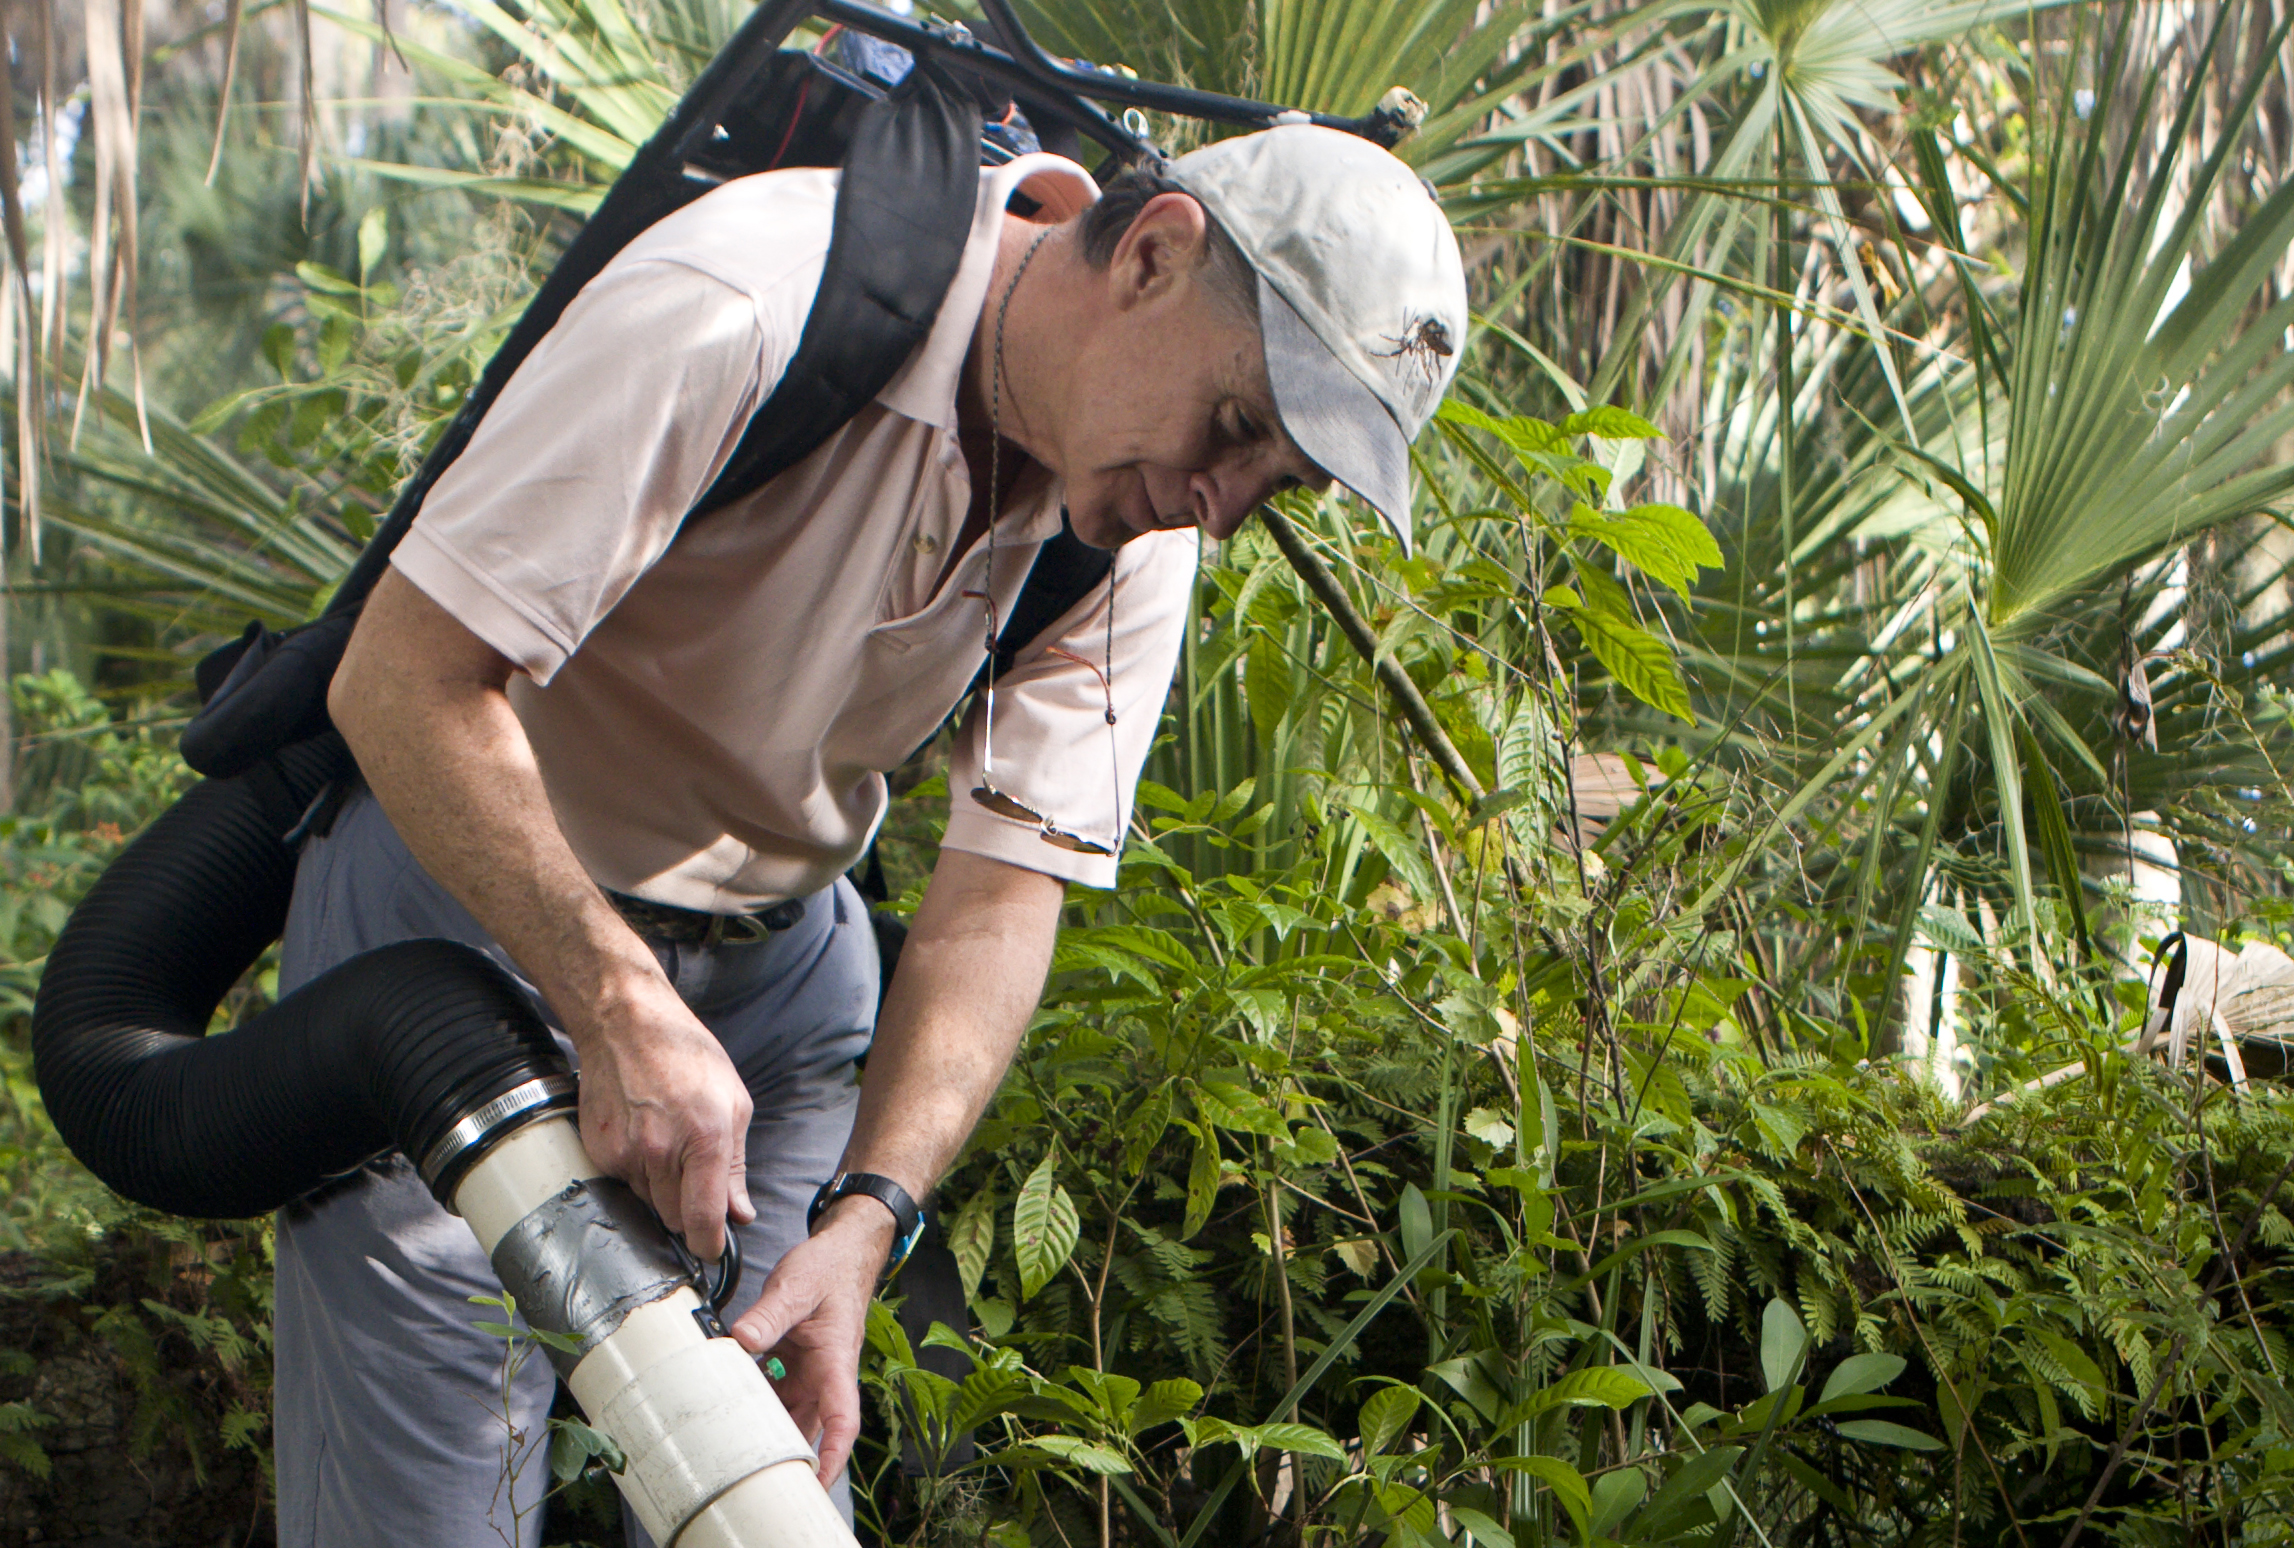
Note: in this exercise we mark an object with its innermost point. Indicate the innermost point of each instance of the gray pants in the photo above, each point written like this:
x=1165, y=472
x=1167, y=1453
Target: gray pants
x=388, y=1404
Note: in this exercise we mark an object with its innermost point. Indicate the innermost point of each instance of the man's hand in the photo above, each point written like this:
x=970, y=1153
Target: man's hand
x=420, y=700
x=969, y=978
x=663, y=1109
x=813, y=1317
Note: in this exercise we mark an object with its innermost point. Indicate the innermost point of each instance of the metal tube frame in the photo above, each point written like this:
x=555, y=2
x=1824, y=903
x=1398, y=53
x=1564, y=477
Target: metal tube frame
x=1078, y=92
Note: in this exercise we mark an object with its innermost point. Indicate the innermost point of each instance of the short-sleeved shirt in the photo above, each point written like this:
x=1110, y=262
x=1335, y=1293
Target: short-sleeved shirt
x=714, y=704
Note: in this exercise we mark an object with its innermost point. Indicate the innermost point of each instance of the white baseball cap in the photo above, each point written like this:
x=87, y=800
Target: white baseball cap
x=1362, y=295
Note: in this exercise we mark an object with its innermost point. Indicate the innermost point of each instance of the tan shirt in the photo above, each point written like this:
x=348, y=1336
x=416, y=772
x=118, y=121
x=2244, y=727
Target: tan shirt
x=714, y=709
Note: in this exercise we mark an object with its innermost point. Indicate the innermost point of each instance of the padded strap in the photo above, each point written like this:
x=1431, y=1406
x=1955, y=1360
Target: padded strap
x=904, y=210
x=1066, y=570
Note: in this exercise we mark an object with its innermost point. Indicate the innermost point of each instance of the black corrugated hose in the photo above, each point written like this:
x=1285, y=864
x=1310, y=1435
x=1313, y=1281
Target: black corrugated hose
x=388, y=1050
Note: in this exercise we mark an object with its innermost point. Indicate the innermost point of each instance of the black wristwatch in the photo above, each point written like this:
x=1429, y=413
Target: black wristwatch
x=907, y=1215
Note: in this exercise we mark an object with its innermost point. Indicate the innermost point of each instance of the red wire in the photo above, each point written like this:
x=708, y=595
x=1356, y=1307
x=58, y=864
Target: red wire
x=795, y=118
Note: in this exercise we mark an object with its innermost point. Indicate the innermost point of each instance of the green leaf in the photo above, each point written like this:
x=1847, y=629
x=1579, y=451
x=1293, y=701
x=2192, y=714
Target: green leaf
x=1303, y=1439
x=1480, y=1527
x=1595, y=1386
x=1664, y=542
x=373, y=240
x=1417, y=1221
x=1861, y=1373
x=1610, y=423
x=1172, y=1398
x=1489, y=1127
x=1567, y=1485
x=982, y=1396
x=1879, y=1432
x=1615, y=1496
x=1782, y=1342
x=1641, y=663
x=972, y=1238
x=1044, y=1228
x=1082, y=1453
x=1267, y=685
x=1385, y=1416
x=1202, y=1182
x=2084, y=1371
x=572, y=1446
x=1684, y=1492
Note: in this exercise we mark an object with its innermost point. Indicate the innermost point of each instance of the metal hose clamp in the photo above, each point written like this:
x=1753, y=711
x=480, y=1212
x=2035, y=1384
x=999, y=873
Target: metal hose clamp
x=459, y=1148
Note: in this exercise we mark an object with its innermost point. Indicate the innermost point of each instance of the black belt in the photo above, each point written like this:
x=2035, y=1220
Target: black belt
x=692, y=927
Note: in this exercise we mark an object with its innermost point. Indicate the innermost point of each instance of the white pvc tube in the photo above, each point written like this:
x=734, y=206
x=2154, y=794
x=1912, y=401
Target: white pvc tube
x=713, y=1459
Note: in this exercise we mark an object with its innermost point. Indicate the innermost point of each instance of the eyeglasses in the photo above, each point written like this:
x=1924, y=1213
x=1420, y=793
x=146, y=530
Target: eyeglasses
x=1004, y=805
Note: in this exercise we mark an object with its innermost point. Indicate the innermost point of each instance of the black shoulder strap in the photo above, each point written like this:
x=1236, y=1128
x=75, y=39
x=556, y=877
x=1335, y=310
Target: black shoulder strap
x=1066, y=570
x=904, y=211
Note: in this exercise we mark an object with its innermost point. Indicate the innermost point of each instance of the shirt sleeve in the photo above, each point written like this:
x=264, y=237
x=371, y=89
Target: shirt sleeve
x=581, y=472
x=1054, y=751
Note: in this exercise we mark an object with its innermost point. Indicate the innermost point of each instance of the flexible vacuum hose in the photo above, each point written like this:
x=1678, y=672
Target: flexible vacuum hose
x=427, y=1047
x=388, y=1050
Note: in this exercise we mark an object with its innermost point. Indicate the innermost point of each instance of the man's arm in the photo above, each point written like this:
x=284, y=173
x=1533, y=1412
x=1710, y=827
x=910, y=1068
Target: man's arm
x=420, y=700
x=970, y=977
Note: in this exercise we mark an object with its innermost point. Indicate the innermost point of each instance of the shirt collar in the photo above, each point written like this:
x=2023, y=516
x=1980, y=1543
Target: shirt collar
x=924, y=389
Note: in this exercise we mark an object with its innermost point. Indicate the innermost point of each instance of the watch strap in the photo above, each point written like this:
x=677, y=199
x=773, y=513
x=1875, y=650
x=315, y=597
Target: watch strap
x=908, y=1216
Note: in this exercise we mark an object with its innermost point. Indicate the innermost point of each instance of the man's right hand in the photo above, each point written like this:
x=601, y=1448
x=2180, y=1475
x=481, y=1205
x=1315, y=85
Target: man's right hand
x=663, y=1108
x=421, y=701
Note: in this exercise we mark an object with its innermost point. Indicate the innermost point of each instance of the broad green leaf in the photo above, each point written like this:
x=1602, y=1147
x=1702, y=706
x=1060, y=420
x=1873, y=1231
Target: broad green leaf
x=574, y=1444
x=1417, y=1221
x=1303, y=1439
x=1615, y=1496
x=1567, y=1484
x=373, y=241
x=1480, y=1527
x=1044, y=1228
x=1489, y=1127
x=1082, y=1453
x=1861, y=1373
x=1641, y=663
x=1202, y=1182
x=1664, y=542
x=1267, y=685
x=1595, y=1386
x=1172, y=1398
x=1385, y=1415
x=1782, y=1343
x=983, y=1395
x=1682, y=1494
x=972, y=1238
x=1879, y=1432
x=1610, y=423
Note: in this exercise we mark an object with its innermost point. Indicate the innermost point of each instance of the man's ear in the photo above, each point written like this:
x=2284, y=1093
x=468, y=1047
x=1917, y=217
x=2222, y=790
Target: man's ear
x=1160, y=251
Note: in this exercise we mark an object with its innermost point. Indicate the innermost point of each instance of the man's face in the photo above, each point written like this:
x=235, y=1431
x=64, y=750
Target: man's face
x=1174, y=423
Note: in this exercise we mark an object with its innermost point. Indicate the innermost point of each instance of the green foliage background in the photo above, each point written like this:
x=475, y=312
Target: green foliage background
x=1494, y=1124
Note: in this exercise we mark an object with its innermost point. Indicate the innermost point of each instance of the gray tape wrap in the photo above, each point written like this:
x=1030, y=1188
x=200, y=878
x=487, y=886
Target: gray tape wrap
x=584, y=1261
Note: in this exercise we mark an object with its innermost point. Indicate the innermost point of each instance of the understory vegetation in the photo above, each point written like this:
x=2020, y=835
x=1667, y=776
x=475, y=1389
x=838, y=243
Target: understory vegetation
x=1578, y=1054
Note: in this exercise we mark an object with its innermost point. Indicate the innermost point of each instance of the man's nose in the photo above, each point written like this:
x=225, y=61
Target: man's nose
x=1224, y=497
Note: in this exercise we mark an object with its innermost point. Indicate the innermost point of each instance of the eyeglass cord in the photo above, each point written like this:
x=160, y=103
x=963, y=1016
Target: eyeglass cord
x=988, y=586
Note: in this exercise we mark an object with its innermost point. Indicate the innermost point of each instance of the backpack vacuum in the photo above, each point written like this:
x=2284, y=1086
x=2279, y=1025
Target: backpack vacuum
x=426, y=1047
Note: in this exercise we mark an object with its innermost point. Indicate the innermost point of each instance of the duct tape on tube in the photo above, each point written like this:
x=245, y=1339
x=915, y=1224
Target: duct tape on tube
x=583, y=1260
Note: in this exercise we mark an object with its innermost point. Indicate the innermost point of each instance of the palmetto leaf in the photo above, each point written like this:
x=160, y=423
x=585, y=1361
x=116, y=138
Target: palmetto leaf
x=2135, y=425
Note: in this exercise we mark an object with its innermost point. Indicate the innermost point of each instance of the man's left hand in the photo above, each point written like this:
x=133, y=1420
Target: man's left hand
x=813, y=1317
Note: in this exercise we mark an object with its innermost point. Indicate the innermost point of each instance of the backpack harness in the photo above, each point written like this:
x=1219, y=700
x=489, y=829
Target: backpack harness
x=904, y=211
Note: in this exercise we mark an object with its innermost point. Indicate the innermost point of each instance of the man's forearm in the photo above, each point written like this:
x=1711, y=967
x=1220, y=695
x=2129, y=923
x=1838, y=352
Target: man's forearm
x=970, y=977
x=436, y=738
x=420, y=700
